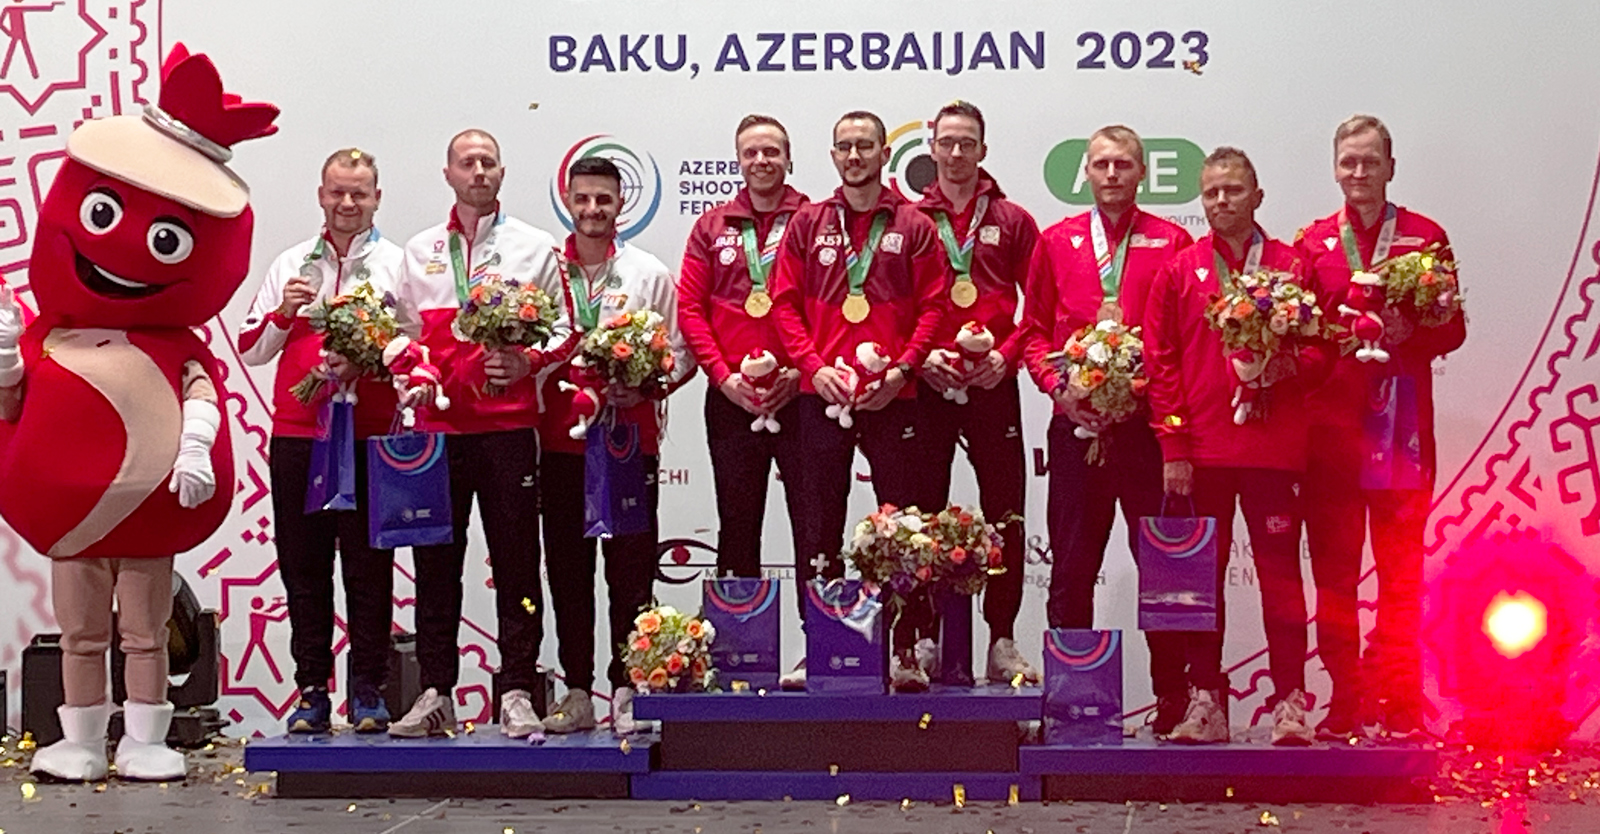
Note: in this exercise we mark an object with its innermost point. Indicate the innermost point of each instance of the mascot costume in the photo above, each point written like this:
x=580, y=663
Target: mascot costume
x=114, y=455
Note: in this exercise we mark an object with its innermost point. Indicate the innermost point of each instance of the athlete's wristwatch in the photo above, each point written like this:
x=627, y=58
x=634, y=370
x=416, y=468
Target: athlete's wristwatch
x=906, y=370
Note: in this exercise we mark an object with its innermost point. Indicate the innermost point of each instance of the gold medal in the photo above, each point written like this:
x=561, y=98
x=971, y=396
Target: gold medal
x=758, y=304
x=964, y=293
x=1110, y=311
x=856, y=308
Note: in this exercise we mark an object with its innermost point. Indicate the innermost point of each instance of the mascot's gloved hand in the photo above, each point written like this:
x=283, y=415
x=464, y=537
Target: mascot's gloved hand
x=10, y=333
x=192, y=478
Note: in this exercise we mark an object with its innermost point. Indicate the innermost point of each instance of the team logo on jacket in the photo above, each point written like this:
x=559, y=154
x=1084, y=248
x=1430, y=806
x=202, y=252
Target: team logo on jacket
x=827, y=256
x=727, y=256
x=893, y=242
x=1201, y=273
x=1330, y=242
x=1077, y=241
x=641, y=182
x=989, y=235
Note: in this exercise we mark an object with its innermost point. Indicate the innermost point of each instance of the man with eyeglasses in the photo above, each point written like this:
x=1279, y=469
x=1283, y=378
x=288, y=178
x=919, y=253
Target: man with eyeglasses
x=862, y=266
x=1093, y=266
x=988, y=241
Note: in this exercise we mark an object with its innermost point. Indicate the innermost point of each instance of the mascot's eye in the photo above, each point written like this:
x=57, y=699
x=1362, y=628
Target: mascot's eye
x=100, y=212
x=169, y=242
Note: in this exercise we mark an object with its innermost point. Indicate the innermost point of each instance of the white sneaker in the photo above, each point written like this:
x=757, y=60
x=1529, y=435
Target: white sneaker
x=80, y=755
x=143, y=753
x=904, y=677
x=1289, y=728
x=1006, y=663
x=1206, y=722
x=574, y=712
x=432, y=715
x=795, y=679
x=928, y=657
x=517, y=719
x=622, y=722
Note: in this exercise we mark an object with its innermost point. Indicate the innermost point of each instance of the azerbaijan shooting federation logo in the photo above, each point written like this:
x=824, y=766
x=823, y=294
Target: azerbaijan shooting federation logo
x=641, y=183
x=911, y=167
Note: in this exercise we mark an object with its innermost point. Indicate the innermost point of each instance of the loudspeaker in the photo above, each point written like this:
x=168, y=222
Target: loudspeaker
x=5, y=715
x=403, y=683
x=192, y=654
x=41, y=688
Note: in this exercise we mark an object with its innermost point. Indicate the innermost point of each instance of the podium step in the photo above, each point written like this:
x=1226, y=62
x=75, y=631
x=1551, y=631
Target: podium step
x=889, y=787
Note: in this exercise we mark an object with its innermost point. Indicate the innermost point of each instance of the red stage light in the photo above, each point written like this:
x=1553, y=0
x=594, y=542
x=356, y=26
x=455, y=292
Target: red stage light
x=1515, y=623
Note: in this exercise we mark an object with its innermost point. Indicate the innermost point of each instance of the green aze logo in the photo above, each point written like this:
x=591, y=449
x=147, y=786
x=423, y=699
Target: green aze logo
x=1172, y=172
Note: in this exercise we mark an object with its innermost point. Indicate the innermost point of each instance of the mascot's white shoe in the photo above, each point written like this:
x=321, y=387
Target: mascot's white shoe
x=80, y=755
x=143, y=753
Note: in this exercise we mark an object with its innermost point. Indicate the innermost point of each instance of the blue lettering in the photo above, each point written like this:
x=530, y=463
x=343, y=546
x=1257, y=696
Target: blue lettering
x=986, y=52
x=597, y=55
x=955, y=57
x=874, y=50
x=910, y=52
x=804, y=59
x=938, y=50
x=837, y=46
x=562, y=48
x=774, y=41
x=683, y=53
x=1019, y=47
x=633, y=54
x=732, y=54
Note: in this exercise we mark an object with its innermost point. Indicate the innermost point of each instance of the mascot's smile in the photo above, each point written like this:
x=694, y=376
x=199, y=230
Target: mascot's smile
x=104, y=283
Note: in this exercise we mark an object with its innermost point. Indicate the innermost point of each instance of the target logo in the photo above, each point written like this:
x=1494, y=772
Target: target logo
x=911, y=166
x=641, y=183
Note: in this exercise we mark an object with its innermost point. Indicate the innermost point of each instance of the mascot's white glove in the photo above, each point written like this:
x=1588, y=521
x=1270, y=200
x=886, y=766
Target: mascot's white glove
x=192, y=477
x=10, y=334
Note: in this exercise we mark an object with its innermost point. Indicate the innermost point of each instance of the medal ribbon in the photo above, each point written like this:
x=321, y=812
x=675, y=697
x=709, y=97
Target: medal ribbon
x=857, y=266
x=1252, y=260
x=1111, y=265
x=458, y=261
x=1380, y=250
x=587, y=299
x=760, y=262
x=961, y=255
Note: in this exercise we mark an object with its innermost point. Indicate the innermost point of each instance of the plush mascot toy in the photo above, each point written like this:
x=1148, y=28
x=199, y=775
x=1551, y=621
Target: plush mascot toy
x=114, y=454
x=760, y=369
x=414, y=378
x=862, y=374
x=588, y=397
x=973, y=343
x=1362, y=308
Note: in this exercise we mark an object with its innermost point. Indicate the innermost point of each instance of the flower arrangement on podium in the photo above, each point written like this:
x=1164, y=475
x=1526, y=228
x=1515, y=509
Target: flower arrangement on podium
x=1261, y=317
x=1102, y=366
x=1422, y=286
x=357, y=325
x=630, y=349
x=670, y=651
x=505, y=313
x=904, y=550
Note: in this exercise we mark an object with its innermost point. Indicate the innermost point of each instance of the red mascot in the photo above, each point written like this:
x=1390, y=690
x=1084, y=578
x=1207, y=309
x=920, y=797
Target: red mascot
x=113, y=452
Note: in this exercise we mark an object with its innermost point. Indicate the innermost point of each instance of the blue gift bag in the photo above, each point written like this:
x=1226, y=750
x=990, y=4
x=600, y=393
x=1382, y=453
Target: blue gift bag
x=1082, y=686
x=408, y=490
x=331, y=483
x=1178, y=582
x=745, y=613
x=615, y=483
x=1393, y=436
x=846, y=653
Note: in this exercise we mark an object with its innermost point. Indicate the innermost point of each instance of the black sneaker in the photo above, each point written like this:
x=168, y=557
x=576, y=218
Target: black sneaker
x=1169, y=713
x=1341, y=723
x=1403, y=722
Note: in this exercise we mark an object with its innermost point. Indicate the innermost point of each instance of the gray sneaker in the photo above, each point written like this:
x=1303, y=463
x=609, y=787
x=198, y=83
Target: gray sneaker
x=1006, y=663
x=622, y=722
x=432, y=715
x=1206, y=722
x=517, y=719
x=573, y=713
x=1289, y=727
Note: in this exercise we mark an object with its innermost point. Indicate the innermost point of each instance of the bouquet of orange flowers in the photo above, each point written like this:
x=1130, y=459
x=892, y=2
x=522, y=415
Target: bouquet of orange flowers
x=1422, y=285
x=1261, y=316
x=1103, y=366
x=669, y=651
x=631, y=349
x=358, y=326
x=904, y=549
x=505, y=313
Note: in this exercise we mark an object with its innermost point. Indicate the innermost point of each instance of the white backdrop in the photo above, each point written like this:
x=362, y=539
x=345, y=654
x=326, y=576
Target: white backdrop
x=1494, y=115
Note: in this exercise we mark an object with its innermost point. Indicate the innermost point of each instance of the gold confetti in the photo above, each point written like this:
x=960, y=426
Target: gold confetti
x=625, y=747
x=262, y=789
x=508, y=830
x=1268, y=819
x=1194, y=67
x=470, y=728
x=843, y=800
x=1228, y=793
x=1162, y=807
x=100, y=788
x=1016, y=681
x=28, y=791
x=833, y=770
x=350, y=809
x=926, y=718
x=450, y=733
x=1011, y=796
x=27, y=742
x=528, y=606
x=960, y=792
x=905, y=805
x=535, y=106
x=741, y=686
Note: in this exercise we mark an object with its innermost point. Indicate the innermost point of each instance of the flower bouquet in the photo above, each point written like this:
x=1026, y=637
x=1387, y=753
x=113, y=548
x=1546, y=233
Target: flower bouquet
x=1261, y=317
x=358, y=326
x=904, y=550
x=631, y=349
x=505, y=313
x=669, y=651
x=1422, y=285
x=1102, y=366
